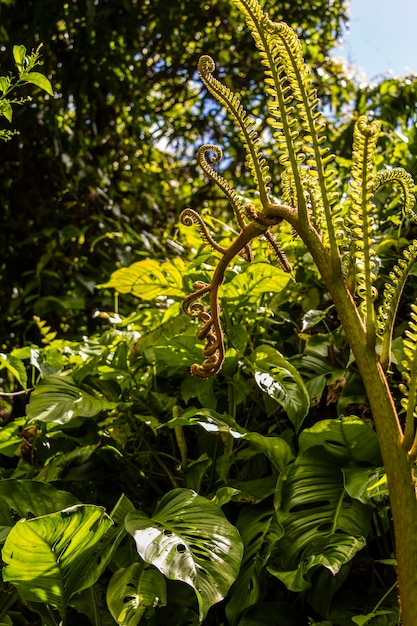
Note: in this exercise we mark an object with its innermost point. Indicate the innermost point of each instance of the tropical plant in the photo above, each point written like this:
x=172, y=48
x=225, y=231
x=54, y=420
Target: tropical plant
x=25, y=65
x=132, y=492
x=338, y=224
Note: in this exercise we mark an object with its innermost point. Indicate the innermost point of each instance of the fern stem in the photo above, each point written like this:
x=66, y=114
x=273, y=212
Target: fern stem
x=409, y=441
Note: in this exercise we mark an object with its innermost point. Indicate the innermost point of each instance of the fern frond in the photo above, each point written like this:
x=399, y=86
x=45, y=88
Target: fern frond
x=205, y=163
x=304, y=96
x=188, y=217
x=254, y=158
x=402, y=178
x=360, y=217
x=409, y=387
x=390, y=300
x=283, y=119
x=283, y=262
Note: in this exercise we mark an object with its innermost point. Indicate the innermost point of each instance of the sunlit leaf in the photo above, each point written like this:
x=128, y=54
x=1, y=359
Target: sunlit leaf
x=19, y=55
x=51, y=558
x=27, y=499
x=189, y=539
x=15, y=366
x=277, y=377
x=150, y=279
x=255, y=280
x=59, y=399
x=133, y=591
x=38, y=79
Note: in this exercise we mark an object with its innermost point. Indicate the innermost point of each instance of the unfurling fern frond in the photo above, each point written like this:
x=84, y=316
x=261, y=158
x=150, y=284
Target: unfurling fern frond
x=360, y=218
x=409, y=388
x=227, y=189
x=399, y=176
x=390, y=299
x=255, y=160
x=283, y=119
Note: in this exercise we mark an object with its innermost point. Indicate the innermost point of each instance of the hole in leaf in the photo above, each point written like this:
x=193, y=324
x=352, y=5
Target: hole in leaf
x=325, y=526
x=310, y=505
x=127, y=599
x=337, y=444
x=14, y=514
x=181, y=548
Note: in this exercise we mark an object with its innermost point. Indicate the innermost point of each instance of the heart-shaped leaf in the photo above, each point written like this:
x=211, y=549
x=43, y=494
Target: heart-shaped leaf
x=53, y=557
x=59, y=399
x=189, y=539
x=133, y=591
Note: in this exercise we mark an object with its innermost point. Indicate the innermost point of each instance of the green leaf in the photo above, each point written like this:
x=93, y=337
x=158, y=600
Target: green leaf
x=59, y=399
x=29, y=498
x=133, y=591
x=277, y=377
x=6, y=110
x=323, y=524
x=15, y=366
x=275, y=448
x=38, y=79
x=19, y=55
x=4, y=84
x=189, y=539
x=360, y=482
x=259, y=532
x=150, y=279
x=9, y=436
x=347, y=438
x=257, y=279
x=51, y=558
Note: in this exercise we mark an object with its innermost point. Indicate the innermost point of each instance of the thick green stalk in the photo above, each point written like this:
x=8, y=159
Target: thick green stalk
x=397, y=464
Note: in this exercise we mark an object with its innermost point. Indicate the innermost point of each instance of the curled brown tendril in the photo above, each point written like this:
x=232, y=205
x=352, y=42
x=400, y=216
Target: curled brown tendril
x=189, y=217
x=211, y=331
x=204, y=160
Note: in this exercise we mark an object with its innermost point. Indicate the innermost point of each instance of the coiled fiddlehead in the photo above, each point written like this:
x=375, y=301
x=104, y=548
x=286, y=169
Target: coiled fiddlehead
x=254, y=158
x=227, y=189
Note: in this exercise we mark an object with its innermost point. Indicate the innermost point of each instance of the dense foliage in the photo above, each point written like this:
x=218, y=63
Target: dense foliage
x=130, y=491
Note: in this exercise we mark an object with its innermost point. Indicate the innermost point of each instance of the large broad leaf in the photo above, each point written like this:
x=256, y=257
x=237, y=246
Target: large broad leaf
x=275, y=448
x=29, y=498
x=59, y=399
x=257, y=279
x=277, y=377
x=133, y=591
x=323, y=525
x=150, y=279
x=259, y=531
x=346, y=438
x=53, y=557
x=189, y=539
